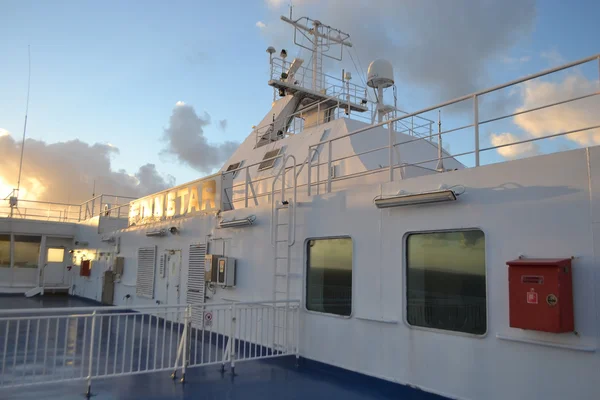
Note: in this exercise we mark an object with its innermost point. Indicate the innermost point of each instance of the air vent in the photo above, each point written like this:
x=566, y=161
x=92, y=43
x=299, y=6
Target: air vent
x=145, y=272
x=195, y=286
x=269, y=160
x=161, y=265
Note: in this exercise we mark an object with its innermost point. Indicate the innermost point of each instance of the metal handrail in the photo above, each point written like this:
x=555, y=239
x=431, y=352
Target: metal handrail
x=429, y=138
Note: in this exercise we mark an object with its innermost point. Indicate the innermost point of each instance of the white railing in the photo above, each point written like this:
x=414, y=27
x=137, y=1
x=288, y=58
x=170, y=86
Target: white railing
x=330, y=85
x=102, y=205
x=474, y=123
x=462, y=132
x=41, y=346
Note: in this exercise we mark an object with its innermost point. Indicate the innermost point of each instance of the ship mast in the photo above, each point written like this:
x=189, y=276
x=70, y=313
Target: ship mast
x=322, y=39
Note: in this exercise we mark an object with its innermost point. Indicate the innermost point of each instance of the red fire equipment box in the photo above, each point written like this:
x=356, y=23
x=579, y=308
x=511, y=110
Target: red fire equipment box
x=541, y=294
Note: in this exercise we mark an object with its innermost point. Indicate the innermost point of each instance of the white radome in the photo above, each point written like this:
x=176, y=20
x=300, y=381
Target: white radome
x=380, y=74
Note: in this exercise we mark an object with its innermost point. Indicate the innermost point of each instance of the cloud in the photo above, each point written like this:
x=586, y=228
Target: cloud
x=274, y=3
x=66, y=171
x=4, y=132
x=516, y=60
x=516, y=151
x=553, y=57
x=150, y=181
x=185, y=140
x=565, y=117
x=261, y=25
x=443, y=45
x=223, y=125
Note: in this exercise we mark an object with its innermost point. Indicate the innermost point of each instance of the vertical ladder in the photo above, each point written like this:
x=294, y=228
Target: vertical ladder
x=283, y=237
x=283, y=225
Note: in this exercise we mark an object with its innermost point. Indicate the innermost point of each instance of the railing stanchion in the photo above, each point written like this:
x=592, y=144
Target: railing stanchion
x=309, y=172
x=231, y=344
x=329, y=152
x=88, y=392
x=184, y=359
x=391, y=152
x=246, y=187
x=476, y=125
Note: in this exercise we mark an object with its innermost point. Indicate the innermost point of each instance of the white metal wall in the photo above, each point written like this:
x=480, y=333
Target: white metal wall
x=547, y=206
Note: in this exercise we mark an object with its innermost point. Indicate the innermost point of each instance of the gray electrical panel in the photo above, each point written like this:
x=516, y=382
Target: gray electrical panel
x=226, y=272
x=210, y=265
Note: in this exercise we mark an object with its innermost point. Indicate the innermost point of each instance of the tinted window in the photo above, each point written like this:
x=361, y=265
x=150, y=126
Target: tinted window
x=446, y=286
x=27, y=251
x=4, y=251
x=329, y=276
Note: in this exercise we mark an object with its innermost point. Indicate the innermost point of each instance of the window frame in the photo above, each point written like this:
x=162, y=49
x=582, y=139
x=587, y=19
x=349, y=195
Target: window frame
x=14, y=251
x=405, y=283
x=56, y=248
x=305, y=277
x=272, y=160
x=238, y=165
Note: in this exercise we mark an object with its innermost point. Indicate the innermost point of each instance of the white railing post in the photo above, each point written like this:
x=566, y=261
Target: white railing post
x=391, y=152
x=284, y=161
x=309, y=173
x=186, y=322
x=231, y=343
x=329, y=152
x=88, y=393
x=297, y=313
x=246, y=187
x=476, y=126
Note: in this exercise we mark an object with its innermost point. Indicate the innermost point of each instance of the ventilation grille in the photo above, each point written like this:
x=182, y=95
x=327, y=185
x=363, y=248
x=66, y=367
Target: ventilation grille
x=162, y=261
x=195, y=286
x=269, y=161
x=145, y=272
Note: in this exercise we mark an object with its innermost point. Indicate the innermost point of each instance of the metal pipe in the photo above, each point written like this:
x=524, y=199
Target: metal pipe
x=329, y=155
x=391, y=153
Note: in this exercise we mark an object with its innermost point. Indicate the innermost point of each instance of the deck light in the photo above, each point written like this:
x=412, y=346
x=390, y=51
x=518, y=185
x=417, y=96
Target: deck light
x=416, y=198
x=234, y=223
x=161, y=232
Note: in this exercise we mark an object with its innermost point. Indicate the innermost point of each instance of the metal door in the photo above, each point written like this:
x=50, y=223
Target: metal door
x=173, y=267
x=54, y=273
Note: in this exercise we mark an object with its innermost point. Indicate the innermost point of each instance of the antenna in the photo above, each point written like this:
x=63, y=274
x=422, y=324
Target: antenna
x=440, y=164
x=25, y=124
x=323, y=38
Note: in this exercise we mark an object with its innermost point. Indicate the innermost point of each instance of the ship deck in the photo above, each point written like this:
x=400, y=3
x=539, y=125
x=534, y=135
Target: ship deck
x=278, y=378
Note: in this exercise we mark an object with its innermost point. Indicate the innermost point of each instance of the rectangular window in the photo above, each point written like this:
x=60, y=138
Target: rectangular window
x=329, y=276
x=27, y=251
x=268, y=160
x=233, y=167
x=4, y=251
x=445, y=281
x=56, y=255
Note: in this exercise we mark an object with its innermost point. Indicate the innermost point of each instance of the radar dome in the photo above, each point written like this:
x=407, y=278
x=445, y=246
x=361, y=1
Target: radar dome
x=380, y=74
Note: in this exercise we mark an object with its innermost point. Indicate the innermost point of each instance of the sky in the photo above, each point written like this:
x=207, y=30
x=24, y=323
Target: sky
x=140, y=96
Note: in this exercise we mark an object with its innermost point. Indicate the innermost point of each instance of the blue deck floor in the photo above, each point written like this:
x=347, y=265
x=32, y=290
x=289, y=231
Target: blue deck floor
x=266, y=379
